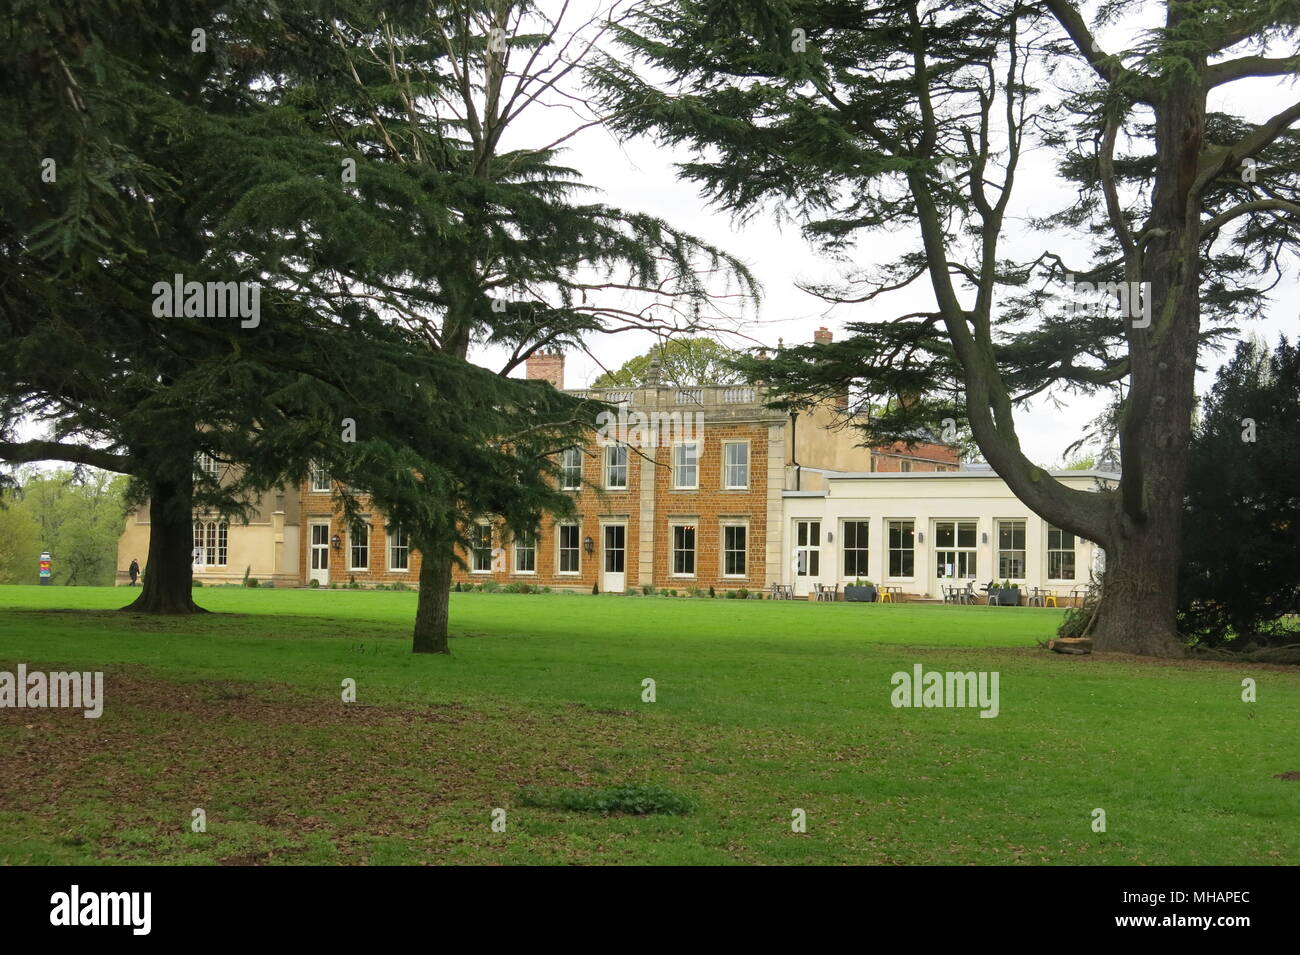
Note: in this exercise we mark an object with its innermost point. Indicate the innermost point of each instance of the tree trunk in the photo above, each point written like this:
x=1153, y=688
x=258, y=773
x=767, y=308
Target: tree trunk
x=434, y=599
x=1139, y=595
x=1143, y=549
x=167, y=572
x=433, y=605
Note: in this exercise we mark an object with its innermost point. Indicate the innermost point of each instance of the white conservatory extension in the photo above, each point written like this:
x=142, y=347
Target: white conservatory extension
x=925, y=533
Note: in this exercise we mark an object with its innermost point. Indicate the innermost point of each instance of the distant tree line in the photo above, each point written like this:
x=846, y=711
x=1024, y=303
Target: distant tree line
x=75, y=514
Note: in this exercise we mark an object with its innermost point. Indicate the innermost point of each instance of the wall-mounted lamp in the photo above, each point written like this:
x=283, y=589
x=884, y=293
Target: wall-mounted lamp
x=984, y=538
x=830, y=538
x=336, y=542
x=588, y=545
x=920, y=537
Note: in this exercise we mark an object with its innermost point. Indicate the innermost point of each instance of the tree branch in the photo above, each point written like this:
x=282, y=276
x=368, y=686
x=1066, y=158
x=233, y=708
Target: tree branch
x=1216, y=74
x=23, y=452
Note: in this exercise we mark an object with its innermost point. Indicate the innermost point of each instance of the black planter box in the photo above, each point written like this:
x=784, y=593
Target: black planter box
x=1009, y=597
x=860, y=594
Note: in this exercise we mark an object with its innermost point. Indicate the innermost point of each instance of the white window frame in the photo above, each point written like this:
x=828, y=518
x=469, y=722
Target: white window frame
x=612, y=451
x=845, y=549
x=679, y=466
x=560, y=548
x=352, y=546
x=889, y=548
x=567, y=465
x=516, y=549
x=971, y=552
x=318, y=477
x=726, y=526
x=998, y=549
x=475, y=549
x=727, y=466
x=673, y=527
x=213, y=538
x=395, y=534
x=207, y=464
x=1050, y=550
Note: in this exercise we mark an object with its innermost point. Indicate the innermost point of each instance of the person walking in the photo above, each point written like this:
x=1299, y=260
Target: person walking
x=134, y=570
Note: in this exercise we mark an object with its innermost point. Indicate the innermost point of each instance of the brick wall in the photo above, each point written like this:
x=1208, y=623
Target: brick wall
x=707, y=507
x=920, y=457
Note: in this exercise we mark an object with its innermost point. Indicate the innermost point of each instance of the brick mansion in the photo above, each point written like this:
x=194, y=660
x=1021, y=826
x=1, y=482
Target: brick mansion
x=732, y=495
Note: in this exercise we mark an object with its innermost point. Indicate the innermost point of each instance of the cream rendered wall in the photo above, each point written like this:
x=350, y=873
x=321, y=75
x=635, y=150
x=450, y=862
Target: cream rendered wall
x=826, y=440
x=267, y=546
x=134, y=542
x=925, y=498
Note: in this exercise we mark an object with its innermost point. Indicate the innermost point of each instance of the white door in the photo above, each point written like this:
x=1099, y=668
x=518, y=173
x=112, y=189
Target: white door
x=955, y=555
x=613, y=577
x=320, y=554
x=807, y=565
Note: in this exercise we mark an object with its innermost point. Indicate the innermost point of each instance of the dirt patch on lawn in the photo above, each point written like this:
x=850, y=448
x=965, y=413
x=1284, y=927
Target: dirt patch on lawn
x=277, y=768
x=269, y=704
x=1182, y=663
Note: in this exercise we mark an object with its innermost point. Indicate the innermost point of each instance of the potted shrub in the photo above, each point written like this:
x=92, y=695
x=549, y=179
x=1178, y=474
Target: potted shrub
x=860, y=591
x=1007, y=595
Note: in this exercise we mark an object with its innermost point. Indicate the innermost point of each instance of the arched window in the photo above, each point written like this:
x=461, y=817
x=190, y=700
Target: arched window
x=210, y=540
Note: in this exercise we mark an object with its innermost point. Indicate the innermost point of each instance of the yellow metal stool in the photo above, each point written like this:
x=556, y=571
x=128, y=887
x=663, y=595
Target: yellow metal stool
x=1050, y=600
x=886, y=597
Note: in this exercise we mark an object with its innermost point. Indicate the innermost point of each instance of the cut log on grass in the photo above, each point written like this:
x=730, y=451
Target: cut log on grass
x=1070, y=645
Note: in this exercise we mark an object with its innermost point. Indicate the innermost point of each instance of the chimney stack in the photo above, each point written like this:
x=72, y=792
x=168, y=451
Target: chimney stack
x=548, y=366
x=823, y=336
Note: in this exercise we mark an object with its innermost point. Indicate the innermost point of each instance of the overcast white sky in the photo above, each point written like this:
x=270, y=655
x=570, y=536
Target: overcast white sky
x=639, y=176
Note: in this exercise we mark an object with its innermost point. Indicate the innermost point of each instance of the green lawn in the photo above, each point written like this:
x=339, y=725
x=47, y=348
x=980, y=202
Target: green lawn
x=761, y=708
